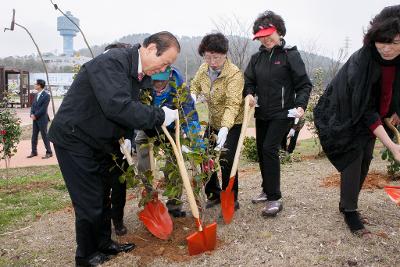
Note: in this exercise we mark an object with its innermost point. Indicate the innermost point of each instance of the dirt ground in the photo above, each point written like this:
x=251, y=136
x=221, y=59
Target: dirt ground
x=309, y=231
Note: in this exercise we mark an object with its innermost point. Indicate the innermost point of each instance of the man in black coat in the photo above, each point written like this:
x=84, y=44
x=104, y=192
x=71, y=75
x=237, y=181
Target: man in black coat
x=99, y=108
x=40, y=119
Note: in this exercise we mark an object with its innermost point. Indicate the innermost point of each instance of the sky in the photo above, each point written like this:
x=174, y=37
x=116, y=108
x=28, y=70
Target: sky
x=321, y=26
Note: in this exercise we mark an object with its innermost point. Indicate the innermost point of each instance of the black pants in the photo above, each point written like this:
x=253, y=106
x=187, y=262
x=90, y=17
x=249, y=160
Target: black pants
x=40, y=126
x=88, y=181
x=353, y=177
x=269, y=136
x=292, y=142
x=118, y=192
x=213, y=188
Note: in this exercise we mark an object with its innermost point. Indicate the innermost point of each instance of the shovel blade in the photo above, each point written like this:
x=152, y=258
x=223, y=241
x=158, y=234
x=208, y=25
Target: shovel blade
x=157, y=220
x=228, y=202
x=394, y=193
x=202, y=241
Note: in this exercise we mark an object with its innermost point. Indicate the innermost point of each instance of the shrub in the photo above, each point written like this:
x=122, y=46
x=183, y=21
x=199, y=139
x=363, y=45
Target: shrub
x=250, y=149
x=10, y=131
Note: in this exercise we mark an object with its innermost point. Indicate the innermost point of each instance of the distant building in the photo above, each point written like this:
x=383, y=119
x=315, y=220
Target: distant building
x=60, y=82
x=62, y=61
x=68, y=31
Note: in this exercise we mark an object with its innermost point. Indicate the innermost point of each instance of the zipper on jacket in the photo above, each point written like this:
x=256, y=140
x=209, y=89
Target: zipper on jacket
x=283, y=97
x=269, y=72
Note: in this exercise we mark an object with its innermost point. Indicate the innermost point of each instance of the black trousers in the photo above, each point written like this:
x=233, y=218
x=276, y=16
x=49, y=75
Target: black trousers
x=118, y=192
x=269, y=135
x=213, y=188
x=292, y=142
x=88, y=181
x=40, y=126
x=353, y=177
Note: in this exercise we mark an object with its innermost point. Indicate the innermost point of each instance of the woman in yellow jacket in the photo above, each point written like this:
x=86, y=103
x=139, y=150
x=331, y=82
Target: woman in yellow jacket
x=221, y=83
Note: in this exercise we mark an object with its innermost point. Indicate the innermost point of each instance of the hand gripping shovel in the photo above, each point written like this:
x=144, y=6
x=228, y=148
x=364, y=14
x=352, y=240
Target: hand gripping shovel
x=155, y=215
x=205, y=239
x=393, y=191
x=227, y=196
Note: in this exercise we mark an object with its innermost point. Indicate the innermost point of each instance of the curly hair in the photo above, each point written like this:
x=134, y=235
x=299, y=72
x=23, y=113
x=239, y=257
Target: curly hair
x=384, y=27
x=215, y=43
x=267, y=18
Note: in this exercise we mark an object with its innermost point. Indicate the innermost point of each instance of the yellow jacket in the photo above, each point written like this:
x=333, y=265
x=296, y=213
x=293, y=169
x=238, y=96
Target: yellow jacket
x=225, y=100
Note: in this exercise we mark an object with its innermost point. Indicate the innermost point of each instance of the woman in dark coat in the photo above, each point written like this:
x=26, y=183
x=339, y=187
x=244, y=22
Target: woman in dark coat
x=277, y=78
x=349, y=114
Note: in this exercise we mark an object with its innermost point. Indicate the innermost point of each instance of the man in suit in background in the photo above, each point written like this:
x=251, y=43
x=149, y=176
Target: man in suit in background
x=40, y=119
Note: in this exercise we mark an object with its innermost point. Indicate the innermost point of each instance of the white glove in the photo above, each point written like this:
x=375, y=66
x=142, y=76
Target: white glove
x=292, y=113
x=185, y=149
x=291, y=133
x=127, y=146
x=222, y=134
x=170, y=115
x=194, y=97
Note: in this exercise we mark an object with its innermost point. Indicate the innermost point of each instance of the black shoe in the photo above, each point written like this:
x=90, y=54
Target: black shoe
x=115, y=248
x=120, y=229
x=353, y=221
x=212, y=202
x=237, y=205
x=95, y=260
x=48, y=155
x=32, y=155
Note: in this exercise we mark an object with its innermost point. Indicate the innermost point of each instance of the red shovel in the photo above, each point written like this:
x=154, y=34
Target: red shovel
x=227, y=196
x=204, y=239
x=393, y=191
x=155, y=215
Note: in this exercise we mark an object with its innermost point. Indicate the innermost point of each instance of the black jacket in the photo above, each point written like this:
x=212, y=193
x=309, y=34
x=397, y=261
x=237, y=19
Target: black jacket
x=102, y=103
x=350, y=105
x=39, y=107
x=279, y=79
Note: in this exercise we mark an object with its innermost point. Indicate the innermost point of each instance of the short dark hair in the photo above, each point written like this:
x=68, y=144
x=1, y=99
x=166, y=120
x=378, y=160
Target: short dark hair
x=117, y=45
x=41, y=83
x=384, y=27
x=215, y=43
x=163, y=41
x=267, y=19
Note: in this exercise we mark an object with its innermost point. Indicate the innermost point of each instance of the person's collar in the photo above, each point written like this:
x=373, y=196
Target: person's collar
x=163, y=91
x=135, y=60
x=140, y=68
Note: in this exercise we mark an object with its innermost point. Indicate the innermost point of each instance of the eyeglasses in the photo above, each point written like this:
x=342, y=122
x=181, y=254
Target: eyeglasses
x=214, y=58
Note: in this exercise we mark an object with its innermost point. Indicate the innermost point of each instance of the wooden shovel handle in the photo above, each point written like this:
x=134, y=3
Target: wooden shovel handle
x=183, y=172
x=152, y=162
x=394, y=129
x=248, y=112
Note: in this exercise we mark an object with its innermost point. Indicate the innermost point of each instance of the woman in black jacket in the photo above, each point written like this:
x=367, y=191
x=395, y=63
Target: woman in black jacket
x=277, y=80
x=349, y=114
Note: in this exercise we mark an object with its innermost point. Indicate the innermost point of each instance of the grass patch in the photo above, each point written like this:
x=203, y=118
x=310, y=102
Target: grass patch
x=28, y=193
x=202, y=110
x=307, y=147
